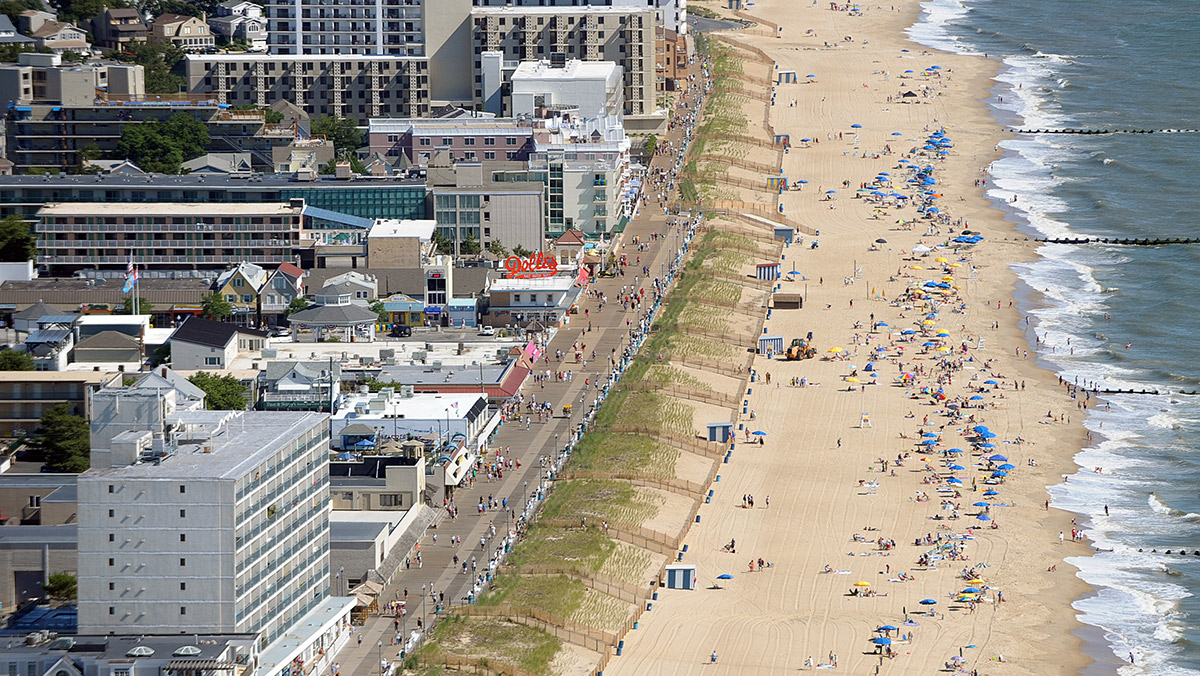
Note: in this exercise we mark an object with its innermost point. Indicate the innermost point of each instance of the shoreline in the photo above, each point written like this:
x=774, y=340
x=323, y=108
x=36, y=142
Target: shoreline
x=1045, y=605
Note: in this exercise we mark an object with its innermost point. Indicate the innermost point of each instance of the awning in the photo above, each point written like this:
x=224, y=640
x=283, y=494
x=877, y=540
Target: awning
x=432, y=310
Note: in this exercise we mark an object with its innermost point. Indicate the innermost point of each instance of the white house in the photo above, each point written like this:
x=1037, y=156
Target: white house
x=204, y=344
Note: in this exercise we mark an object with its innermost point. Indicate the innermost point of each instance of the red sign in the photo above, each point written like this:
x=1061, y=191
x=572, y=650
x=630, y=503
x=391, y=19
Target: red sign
x=533, y=267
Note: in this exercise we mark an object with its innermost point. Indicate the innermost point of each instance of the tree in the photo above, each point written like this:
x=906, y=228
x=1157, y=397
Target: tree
x=66, y=444
x=15, y=360
x=163, y=146
x=521, y=251
x=298, y=303
x=469, y=246
x=650, y=145
x=377, y=307
x=496, y=248
x=17, y=241
x=215, y=307
x=159, y=61
x=222, y=393
x=144, y=306
x=341, y=131
x=443, y=242
x=62, y=586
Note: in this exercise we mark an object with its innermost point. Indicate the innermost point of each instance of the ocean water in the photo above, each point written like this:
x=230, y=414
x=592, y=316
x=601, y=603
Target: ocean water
x=1104, y=64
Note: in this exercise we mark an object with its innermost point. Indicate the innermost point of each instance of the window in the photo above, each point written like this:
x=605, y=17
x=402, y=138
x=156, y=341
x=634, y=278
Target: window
x=112, y=562
x=182, y=488
x=446, y=140
x=469, y=141
x=533, y=298
x=183, y=537
x=230, y=298
x=511, y=141
x=426, y=141
x=512, y=155
x=112, y=586
x=390, y=500
x=111, y=513
x=516, y=298
x=182, y=586
x=183, y=513
x=489, y=141
x=489, y=154
x=247, y=298
x=182, y=561
x=112, y=537
x=211, y=361
x=111, y=488
x=183, y=610
x=112, y=611
x=239, y=282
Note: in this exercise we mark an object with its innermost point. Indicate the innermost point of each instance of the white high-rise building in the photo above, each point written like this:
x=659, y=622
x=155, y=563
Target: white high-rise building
x=201, y=521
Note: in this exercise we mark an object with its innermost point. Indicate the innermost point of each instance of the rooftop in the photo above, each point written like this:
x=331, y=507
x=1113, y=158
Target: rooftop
x=169, y=209
x=390, y=227
x=25, y=536
x=539, y=284
x=239, y=441
x=207, y=332
x=573, y=70
x=212, y=646
x=193, y=181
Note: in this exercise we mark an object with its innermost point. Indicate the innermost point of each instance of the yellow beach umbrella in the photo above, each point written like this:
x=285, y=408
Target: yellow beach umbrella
x=928, y=322
x=853, y=380
x=941, y=259
x=977, y=580
x=835, y=349
x=862, y=583
x=956, y=265
x=916, y=267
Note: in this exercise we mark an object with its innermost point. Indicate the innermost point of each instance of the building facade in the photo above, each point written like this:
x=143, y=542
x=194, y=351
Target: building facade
x=208, y=521
x=165, y=235
x=357, y=86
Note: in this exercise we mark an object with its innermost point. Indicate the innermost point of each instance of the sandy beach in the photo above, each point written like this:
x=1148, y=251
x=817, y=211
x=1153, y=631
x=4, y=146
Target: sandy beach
x=832, y=499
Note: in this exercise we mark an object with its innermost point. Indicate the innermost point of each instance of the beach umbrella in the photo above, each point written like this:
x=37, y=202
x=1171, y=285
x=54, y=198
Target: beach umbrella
x=984, y=517
x=957, y=658
x=990, y=492
x=802, y=181
x=970, y=590
x=835, y=349
x=882, y=349
x=999, y=473
x=954, y=480
x=997, y=458
x=929, y=442
x=955, y=451
x=882, y=640
x=888, y=627
x=856, y=126
x=896, y=133
x=881, y=241
x=759, y=433
x=977, y=580
x=957, y=468
x=987, y=445
x=830, y=192
x=929, y=434
x=810, y=75
x=805, y=140
x=989, y=434
x=725, y=576
x=988, y=382
x=907, y=332
x=941, y=259
x=862, y=583
x=927, y=602
x=980, y=504
x=793, y=272
x=1007, y=466
x=980, y=429
x=975, y=397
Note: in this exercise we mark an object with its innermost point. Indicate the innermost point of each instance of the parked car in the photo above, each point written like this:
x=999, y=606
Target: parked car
x=487, y=331
x=400, y=331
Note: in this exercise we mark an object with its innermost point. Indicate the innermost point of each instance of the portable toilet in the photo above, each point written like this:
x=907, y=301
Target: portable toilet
x=770, y=345
x=720, y=432
x=681, y=576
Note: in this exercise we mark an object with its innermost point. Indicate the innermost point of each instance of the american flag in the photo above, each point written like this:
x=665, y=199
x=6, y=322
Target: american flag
x=131, y=275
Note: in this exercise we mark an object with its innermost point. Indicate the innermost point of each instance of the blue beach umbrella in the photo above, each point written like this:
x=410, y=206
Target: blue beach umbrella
x=990, y=492
x=989, y=434
x=882, y=640
x=954, y=480
x=984, y=517
x=957, y=468
x=856, y=126
x=927, y=602
x=1007, y=466
x=882, y=324
x=999, y=473
x=981, y=504
x=997, y=457
x=955, y=451
x=725, y=576
x=975, y=397
x=929, y=434
x=929, y=442
x=896, y=133
x=980, y=429
x=759, y=433
x=989, y=382
x=888, y=627
x=987, y=445
x=830, y=192
x=970, y=590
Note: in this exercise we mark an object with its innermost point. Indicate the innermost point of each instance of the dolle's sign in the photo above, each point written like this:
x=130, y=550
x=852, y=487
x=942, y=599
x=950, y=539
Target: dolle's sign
x=532, y=267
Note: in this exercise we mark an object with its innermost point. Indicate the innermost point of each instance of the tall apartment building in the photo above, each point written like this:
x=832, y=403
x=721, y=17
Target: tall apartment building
x=624, y=35
x=166, y=235
x=358, y=86
x=669, y=14
x=201, y=521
